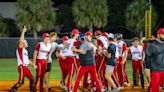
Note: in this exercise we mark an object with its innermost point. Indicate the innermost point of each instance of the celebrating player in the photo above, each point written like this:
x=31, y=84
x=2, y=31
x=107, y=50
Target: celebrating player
x=87, y=60
x=122, y=50
x=41, y=53
x=23, y=61
x=111, y=62
x=62, y=53
x=54, y=45
x=102, y=44
x=71, y=58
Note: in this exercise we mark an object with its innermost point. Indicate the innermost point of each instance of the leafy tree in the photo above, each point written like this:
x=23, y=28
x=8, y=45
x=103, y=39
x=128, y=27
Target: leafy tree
x=90, y=13
x=38, y=15
x=135, y=16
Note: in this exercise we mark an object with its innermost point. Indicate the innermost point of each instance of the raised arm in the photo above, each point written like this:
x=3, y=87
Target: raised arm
x=21, y=39
x=22, y=34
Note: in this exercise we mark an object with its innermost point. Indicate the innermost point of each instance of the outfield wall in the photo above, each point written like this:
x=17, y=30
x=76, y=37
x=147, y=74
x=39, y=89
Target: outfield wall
x=8, y=46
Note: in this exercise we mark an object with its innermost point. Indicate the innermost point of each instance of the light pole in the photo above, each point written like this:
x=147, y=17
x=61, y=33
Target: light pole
x=148, y=21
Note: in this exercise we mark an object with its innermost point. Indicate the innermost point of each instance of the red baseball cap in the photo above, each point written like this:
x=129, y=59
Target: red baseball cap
x=151, y=37
x=45, y=35
x=105, y=34
x=160, y=31
x=65, y=38
x=88, y=33
x=75, y=31
x=97, y=32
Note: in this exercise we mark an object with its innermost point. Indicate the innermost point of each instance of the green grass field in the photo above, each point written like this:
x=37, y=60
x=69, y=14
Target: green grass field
x=8, y=70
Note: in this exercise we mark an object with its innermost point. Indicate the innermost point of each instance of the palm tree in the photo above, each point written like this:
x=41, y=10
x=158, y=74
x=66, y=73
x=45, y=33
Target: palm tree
x=135, y=16
x=90, y=13
x=38, y=15
x=3, y=27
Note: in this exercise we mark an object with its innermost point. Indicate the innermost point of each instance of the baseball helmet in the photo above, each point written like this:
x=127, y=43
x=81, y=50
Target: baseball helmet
x=118, y=36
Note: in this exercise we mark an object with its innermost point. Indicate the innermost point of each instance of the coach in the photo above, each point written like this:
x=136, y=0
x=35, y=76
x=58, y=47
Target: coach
x=87, y=62
x=155, y=50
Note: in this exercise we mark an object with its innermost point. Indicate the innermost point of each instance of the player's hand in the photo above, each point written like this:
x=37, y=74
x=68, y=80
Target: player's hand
x=105, y=52
x=82, y=51
x=24, y=29
x=123, y=62
x=35, y=67
x=142, y=61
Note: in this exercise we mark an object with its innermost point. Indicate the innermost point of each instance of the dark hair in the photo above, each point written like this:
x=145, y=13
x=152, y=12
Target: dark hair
x=72, y=35
x=110, y=39
x=97, y=34
x=135, y=39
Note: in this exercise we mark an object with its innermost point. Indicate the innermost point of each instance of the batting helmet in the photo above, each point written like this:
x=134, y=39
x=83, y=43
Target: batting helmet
x=119, y=36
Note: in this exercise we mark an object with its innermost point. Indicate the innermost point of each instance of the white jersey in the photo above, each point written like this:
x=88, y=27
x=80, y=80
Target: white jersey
x=117, y=53
x=136, y=52
x=54, y=46
x=22, y=56
x=121, y=48
x=104, y=40
x=43, y=50
x=64, y=51
x=71, y=42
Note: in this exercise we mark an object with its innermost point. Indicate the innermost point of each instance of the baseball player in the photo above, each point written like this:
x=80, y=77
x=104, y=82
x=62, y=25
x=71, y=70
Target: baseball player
x=23, y=61
x=41, y=53
x=155, y=50
x=54, y=45
x=87, y=60
x=71, y=58
x=137, y=54
x=61, y=54
x=102, y=44
x=114, y=75
x=122, y=50
x=111, y=62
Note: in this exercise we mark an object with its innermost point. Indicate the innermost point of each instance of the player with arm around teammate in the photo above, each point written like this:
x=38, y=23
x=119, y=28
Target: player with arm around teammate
x=111, y=62
x=122, y=50
x=23, y=61
x=54, y=46
x=62, y=53
x=87, y=61
x=102, y=44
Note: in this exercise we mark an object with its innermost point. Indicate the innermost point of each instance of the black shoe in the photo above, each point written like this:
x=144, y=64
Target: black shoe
x=50, y=90
x=13, y=90
x=143, y=87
